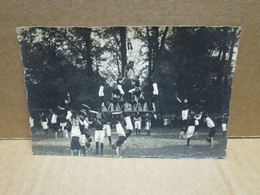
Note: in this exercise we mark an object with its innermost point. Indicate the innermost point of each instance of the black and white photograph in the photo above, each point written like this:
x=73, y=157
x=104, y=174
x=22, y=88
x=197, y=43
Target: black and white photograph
x=145, y=91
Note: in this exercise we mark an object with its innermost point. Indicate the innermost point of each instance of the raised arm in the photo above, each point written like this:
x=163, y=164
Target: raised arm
x=178, y=99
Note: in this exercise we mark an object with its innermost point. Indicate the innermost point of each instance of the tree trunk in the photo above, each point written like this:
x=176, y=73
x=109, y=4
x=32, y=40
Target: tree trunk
x=155, y=52
x=123, y=48
x=149, y=51
x=89, y=54
x=163, y=40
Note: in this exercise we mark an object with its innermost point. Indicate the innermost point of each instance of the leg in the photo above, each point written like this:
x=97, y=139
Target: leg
x=212, y=142
x=118, y=151
x=145, y=107
x=182, y=134
x=97, y=146
x=154, y=108
x=110, y=141
x=83, y=151
x=102, y=147
x=211, y=135
x=102, y=139
x=188, y=142
x=56, y=134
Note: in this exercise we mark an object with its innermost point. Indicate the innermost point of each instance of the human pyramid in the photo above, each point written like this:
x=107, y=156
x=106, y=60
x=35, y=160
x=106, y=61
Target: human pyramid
x=135, y=101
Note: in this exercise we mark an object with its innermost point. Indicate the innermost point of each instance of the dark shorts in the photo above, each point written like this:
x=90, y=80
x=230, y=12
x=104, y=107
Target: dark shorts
x=120, y=141
x=128, y=133
x=212, y=132
x=68, y=126
x=196, y=128
x=184, y=125
x=86, y=133
x=55, y=127
x=154, y=98
x=75, y=143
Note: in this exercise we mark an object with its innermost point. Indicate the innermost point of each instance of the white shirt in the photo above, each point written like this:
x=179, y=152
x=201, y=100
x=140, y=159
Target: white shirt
x=69, y=114
x=120, y=88
x=138, y=118
x=86, y=124
x=184, y=114
x=129, y=124
x=45, y=124
x=101, y=91
x=210, y=123
x=54, y=118
x=75, y=130
x=224, y=127
x=119, y=129
x=31, y=122
x=63, y=125
x=82, y=140
x=197, y=118
x=155, y=89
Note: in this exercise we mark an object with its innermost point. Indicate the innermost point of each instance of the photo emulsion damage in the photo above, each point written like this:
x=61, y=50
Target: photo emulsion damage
x=129, y=91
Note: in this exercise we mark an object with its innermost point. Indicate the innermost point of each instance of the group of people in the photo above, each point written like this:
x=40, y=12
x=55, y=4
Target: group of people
x=102, y=123
x=124, y=116
x=75, y=125
x=136, y=102
x=191, y=123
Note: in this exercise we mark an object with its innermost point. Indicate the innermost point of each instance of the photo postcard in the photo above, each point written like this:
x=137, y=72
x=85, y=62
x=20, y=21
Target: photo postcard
x=147, y=91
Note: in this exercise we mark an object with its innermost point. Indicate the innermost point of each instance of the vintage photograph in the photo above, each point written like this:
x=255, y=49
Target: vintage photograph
x=149, y=91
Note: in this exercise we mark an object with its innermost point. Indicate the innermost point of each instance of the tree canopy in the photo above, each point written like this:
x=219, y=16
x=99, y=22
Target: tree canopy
x=196, y=63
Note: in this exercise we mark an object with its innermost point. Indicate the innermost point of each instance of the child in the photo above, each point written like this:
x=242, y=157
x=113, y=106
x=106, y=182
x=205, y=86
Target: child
x=44, y=123
x=197, y=123
x=184, y=115
x=148, y=123
x=83, y=141
x=31, y=121
x=63, y=125
x=137, y=121
x=155, y=95
x=75, y=133
x=121, y=138
x=101, y=96
x=224, y=128
x=211, y=125
x=107, y=130
x=54, y=124
x=85, y=123
x=129, y=126
x=164, y=121
x=191, y=127
x=68, y=120
x=116, y=97
x=99, y=132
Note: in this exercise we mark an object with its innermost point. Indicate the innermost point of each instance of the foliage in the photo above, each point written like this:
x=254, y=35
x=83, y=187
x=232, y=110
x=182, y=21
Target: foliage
x=196, y=63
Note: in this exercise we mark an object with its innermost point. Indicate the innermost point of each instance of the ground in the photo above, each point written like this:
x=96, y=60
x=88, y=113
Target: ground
x=162, y=143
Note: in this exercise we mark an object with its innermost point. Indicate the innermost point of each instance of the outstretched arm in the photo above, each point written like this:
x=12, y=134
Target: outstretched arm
x=178, y=99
